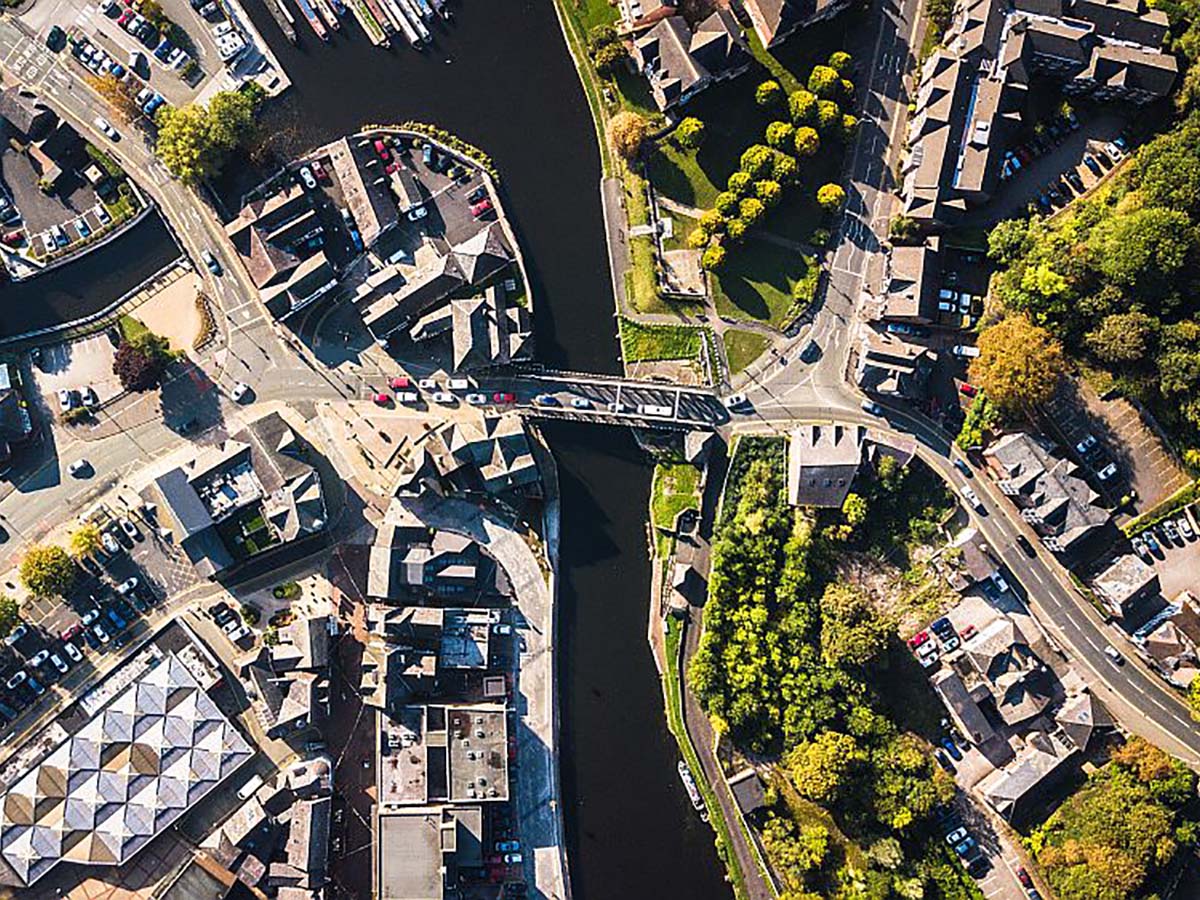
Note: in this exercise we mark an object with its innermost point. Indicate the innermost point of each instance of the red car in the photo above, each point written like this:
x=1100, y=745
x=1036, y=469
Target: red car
x=319, y=170
x=502, y=397
x=400, y=383
x=967, y=633
x=14, y=238
x=481, y=207
x=918, y=639
x=968, y=389
x=69, y=634
x=383, y=400
x=382, y=150
x=124, y=17
x=1023, y=877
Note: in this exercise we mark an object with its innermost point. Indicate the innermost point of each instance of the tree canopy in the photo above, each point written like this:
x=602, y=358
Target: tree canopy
x=194, y=141
x=1019, y=365
x=690, y=133
x=86, y=540
x=10, y=615
x=831, y=197
x=46, y=570
x=626, y=133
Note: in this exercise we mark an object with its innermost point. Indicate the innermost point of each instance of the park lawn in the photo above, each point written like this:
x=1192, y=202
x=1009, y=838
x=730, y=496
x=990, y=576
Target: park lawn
x=645, y=343
x=673, y=490
x=743, y=347
x=590, y=13
x=757, y=279
x=681, y=226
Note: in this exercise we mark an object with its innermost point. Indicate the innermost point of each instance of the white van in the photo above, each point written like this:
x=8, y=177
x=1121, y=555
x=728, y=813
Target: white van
x=246, y=791
x=965, y=351
x=650, y=409
x=459, y=384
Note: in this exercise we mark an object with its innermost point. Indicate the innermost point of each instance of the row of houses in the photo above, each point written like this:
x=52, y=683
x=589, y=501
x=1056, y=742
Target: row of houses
x=973, y=90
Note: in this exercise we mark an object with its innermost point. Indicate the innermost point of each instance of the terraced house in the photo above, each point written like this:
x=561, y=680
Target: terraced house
x=973, y=90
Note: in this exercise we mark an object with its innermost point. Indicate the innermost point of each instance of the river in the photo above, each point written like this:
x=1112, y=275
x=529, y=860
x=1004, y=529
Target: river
x=500, y=77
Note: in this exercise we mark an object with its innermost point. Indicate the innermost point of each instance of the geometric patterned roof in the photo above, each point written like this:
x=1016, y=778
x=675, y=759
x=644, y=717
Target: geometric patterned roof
x=105, y=792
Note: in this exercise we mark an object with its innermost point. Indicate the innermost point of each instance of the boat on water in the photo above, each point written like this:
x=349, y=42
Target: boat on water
x=409, y=7
x=338, y=7
x=400, y=21
x=325, y=10
x=424, y=8
x=313, y=19
x=693, y=792
x=442, y=8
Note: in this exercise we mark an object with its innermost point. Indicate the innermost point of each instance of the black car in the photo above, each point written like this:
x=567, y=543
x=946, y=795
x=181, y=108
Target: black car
x=56, y=39
x=1076, y=182
x=1026, y=547
x=478, y=194
x=810, y=352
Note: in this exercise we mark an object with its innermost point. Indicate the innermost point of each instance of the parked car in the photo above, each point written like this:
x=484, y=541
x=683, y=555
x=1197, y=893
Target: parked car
x=999, y=582
x=478, y=194
x=735, y=401
x=1152, y=543
x=918, y=639
x=952, y=748
x=581, y=403
x=73, y=652
x=504, y=397
x=1171, y=532
x=444, y=397
x=110, y=543
x=58, y=663
x=89, y=397
x=400, y=383
x=82, y=229
x=66, y=400
x=127, y=585
x=944, y=761
x=79, y=467
x=957, y=836
x=1185, y=528
x=130, y=530
x=906, y=328
x=1087, y=445
x=1108, y=472
x=477, y=399
x=211, y=261
x=962, y=466
x=480, y=208
x=307, y=178
x=240, y=390
x=971, y=497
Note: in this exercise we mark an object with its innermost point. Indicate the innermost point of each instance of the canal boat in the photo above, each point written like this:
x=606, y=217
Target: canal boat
x=380, y=15
x=414, y=16
x=424, y=9
x=400, y=20
x=441, y=8
x=693, y=792
x=325, y=11
x=313, y=19
x=284, y=18
x=338, y=7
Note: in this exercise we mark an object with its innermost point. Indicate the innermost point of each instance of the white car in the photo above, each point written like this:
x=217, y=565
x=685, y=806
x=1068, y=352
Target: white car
x=581, y=403
x=73, y=652
x=310, y=180
x=105, y=127
x=735, y=401
x=78, y=467
x=90, y=400
x=870, y=406
x=428, y=384
x=238, y=633
x=58, y=663
x=999, y=582
x=459, y=384
x=110, y=543
x=956, y=836
x=129, y=528
x=239, y=391
x=407, y=397
x=40, y=658
x=971, y=497
x=444, y=397
x=66, y=400
x=1185, y=528
x=100, y=633
x=417, y=212
x=127, y=585
x=477, y=399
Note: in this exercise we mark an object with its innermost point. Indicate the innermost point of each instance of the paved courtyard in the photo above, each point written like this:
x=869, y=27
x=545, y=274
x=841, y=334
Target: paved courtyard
x=77, y=364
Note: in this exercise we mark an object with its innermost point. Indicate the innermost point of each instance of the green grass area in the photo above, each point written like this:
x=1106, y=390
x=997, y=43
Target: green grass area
x=758, y=279
x=672, y=632
x=641, y=287
x=681, y=226
x=675, y=488
x=743, y=347
x=644, y=343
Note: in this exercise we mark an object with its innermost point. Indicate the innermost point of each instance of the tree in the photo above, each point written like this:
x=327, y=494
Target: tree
x=85, y=540
x=10, y=615
x=1193, y=698
x=824, y=82
x=769, y=93
x=713, y=258
x=1009, y=240
x=47, y=570
x=698, y=239
x=140, y=361
x=769, y=192
x=690, y=133
x=829, y=116
x=807, y=142
x=854, y=508
x=841, y=62
x=1122, y=338
x=739, y=184
x=1019, y=364
x=821, y=768
x=726, y=203
x=1144, y=250
x=711, y=222
x=785, y=169
x=626, y=133
x=852, y=632
x=779, y=134
x=751, y=210
x=154, y=14
x=756, y=161
x=231, y=117
x=600, y=36
x=802, y=106
x=848, y=127
x=609, y=58
x=831, y=198
x=117, y=95
x=184, y=144
x=736, y=229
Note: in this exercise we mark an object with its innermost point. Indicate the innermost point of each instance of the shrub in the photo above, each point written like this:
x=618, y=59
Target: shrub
x=739, y=183
x=831, y=197
x=756, y=161
x=825, y=82
x=698, y=239
x=690, y=133
x=736, y=229
x=802, y=106
x=785, y=169
x=779, y=134
x=849, y=126
x=769, y=192
x=609, y=58
x=726, y=203
x=841, y=62
x=711, y=222
x=751, y=210
x=601, y=36
x=806, y=141
x=769, y=93
x=713, y=258
x=828, y=116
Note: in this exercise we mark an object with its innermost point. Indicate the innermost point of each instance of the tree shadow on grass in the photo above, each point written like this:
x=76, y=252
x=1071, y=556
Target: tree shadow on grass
x=743, y=294
x=669, y=179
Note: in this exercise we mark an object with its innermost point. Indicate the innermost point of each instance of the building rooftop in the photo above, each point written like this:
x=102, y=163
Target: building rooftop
x=410, y=854
x=156, y=748
x=822, y=462
x=478, y=753
x=1125, y=579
